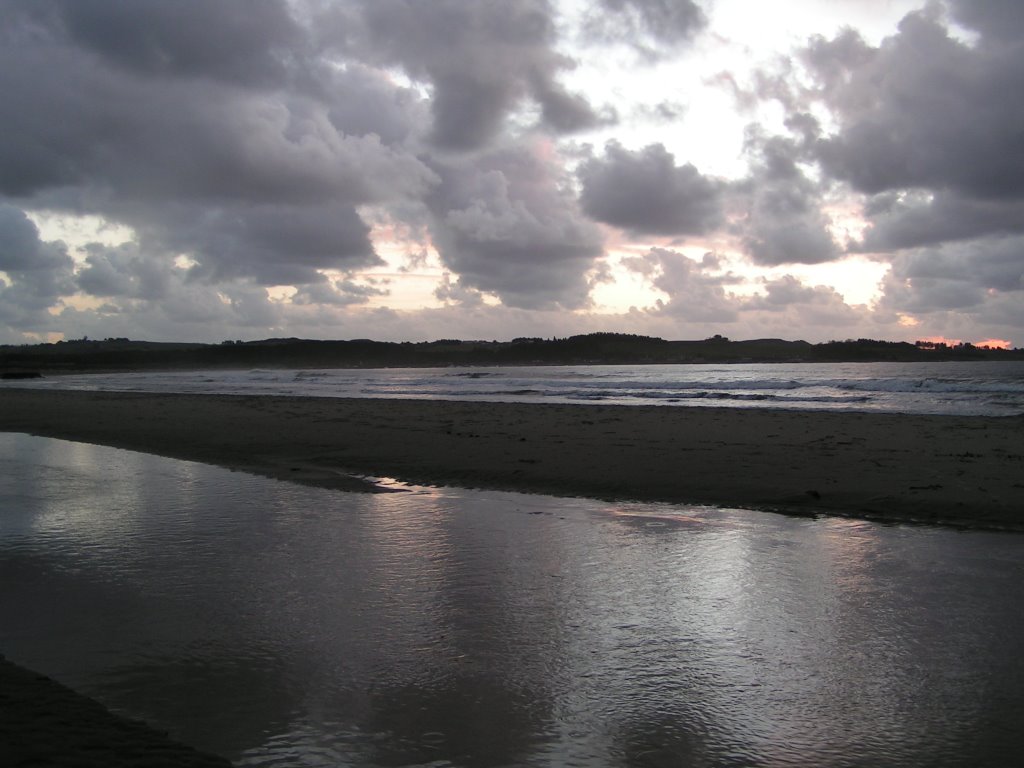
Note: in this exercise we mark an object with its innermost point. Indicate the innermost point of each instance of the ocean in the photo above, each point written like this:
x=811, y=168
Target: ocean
x=954, y=388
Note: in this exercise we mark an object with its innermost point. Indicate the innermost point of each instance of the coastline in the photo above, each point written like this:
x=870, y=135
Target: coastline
x=961, y=471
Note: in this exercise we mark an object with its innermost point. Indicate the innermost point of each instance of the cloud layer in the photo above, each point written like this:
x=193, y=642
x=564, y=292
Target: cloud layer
x=929, y=133
x=269, y=160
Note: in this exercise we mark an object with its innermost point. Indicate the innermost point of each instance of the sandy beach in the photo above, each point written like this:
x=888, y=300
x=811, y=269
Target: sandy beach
x=938, y=469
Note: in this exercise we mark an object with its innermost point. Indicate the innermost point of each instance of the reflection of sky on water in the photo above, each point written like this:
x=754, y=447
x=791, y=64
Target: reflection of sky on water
x=276, y=622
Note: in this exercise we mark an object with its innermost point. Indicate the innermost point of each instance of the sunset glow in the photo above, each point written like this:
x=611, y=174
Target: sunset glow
x=994, y=343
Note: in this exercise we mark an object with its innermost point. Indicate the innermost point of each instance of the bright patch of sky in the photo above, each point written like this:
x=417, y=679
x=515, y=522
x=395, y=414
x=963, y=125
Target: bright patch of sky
x=76, y=232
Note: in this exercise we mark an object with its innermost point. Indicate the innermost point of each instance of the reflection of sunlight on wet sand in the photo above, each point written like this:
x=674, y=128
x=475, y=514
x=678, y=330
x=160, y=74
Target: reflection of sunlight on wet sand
x=655, y=518
x=851, y=549
x=441, y=626
x=664, y=515
x=89, y=509
x=407, y=561
x=647, y=514
x=394, y=484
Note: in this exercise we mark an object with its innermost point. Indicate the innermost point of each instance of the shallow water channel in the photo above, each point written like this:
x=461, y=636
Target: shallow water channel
x=278, y=624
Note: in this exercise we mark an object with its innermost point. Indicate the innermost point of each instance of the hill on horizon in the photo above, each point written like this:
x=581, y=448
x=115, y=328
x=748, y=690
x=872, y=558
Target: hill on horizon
x=85, y=355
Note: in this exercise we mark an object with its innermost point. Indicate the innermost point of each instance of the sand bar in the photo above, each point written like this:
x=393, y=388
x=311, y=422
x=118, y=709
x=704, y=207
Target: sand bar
x=955, y=470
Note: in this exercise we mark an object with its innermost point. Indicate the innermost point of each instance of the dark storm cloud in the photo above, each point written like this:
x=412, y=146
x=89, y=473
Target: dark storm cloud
x=925, y=110
x=247, y=137
x=363, y=101
x=20, y=247
x=37, y=273
x=25, y=258
x=912, y=220
x=924, y=295
x=983, y=279
x=481, y=59
x=783, y=222
x=243, y=240
x=77, y=124
x=565, y=112
x=343, y=292
x=832, y=61
x=210, y=130
x=979, y=268
x=929, y=128
x=646, y=192
x=123, y=272
x=996, y=19
x=234, y=40
x=506, y=224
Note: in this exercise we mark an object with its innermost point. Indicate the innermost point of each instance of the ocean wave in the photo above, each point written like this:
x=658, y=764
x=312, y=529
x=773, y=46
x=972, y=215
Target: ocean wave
x=932, y=385
x=707, y=394
x=912, y=388
x=699, y=384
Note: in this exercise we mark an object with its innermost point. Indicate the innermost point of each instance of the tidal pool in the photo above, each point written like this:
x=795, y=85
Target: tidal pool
x=282, y=625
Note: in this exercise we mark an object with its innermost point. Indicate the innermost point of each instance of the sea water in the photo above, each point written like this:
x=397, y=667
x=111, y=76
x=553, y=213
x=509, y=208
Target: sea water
x=988, y=388
x=283, y=625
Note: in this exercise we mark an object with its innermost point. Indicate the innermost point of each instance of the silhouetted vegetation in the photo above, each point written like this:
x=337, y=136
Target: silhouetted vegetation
x=593, y=348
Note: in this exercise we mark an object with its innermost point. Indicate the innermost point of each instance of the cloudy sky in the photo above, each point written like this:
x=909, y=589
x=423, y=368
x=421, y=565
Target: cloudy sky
x=416, y=169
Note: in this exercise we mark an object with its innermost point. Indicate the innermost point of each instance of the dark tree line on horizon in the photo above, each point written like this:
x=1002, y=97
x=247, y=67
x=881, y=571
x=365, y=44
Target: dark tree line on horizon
x=112, y=354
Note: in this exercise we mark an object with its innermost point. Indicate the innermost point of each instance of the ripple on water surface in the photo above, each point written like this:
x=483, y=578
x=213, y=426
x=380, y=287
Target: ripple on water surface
x=279, y=624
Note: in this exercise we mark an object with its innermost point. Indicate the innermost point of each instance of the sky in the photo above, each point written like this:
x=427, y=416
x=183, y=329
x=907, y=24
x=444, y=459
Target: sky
x=208, y=170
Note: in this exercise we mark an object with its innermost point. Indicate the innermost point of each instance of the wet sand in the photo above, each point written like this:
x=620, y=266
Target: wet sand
x=42, y=723
x=940, y=469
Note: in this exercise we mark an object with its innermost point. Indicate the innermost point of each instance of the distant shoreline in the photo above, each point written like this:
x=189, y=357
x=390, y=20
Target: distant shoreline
x=109, y=355
x=961, y=471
